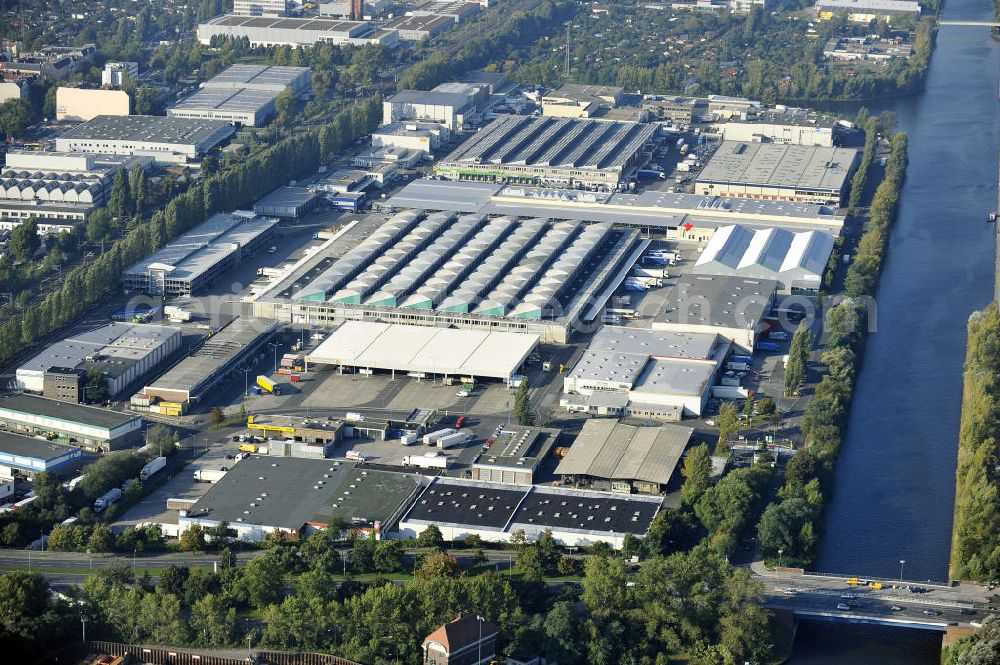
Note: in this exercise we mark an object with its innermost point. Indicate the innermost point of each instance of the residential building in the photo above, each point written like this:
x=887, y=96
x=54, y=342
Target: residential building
x=259, y=7
x=114, y=74
x=468, y=640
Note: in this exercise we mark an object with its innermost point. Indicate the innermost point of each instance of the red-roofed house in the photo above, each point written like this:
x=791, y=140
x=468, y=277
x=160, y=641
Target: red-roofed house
x=468, y=640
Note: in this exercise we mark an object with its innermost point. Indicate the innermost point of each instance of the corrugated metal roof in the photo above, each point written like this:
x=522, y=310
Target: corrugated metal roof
x=610, y=450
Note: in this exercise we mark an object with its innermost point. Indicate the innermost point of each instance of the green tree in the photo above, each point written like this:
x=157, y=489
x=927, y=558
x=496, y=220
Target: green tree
x=697, y=474
x=193, y=539
x=729, y=424
x=522, y=404
x=431, y=537
x=766, y=407
x=436, y=566
x=96, y=386
x=120, y=201
x=217, y=416
x=388, y=556
x=798, y=359
x=261, y=584
x=213, y=623
x=24, y=240
x=285, y=106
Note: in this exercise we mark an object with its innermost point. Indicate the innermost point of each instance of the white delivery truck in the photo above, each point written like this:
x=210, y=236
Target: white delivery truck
x=456, y=439
x=432, y=437
x=209, y=475
x=109, y=497
x=152, y=468
x=427, y=461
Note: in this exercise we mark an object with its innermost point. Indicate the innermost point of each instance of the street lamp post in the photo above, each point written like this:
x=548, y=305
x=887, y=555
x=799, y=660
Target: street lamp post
x=479, y=620
x=901, y=563
x=275, y=345
x=778, y=569
x=83, y=624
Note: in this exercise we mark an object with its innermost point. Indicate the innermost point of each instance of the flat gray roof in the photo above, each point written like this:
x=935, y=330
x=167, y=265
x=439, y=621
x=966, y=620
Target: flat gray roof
x=123, y=342
x=145, y=128
x=260, y=77
x=778, y=165
x=289, y=492
x=623, y=355
x=27, y=446
x=242, y=100
x=291, y=197
x=519, y=446
x=76, y=413
x=430, y=98
x=721, y=301
x=614, y=451
x=553, y=142
x=201, y=248
x=879, y=5
x=650, y=208
x=194, y=371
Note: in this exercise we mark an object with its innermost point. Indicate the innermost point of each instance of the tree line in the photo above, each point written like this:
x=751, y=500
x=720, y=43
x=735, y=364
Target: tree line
x=689, y=605
x=976, y=540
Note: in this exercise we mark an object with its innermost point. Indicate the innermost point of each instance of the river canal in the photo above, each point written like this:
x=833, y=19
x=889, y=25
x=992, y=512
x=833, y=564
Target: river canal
x=895, y=478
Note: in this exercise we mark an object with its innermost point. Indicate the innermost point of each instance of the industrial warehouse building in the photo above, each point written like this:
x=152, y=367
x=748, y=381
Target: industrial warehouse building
x=514, y=455
x=57, y=189
x=465, y=271
x=866, y=11
x=123, y=352
x=795, y=260
x=574, y=100
x=98, y=430
x=419, y=28
x=608, y=455
x=461, y=508
x=262, y=495
x=770, y=171
x=81, y=104
x=243, y=94
x=559, y=152
x=24, y=456
x=192, y=262
x=416, y=135
x=280, y=31
x=448, y=109
x=788, y=126
x=425, y=351
x=166, y=140
x=287, y=203
x=214, y=361
x=729, y=305
x=675, y=216
x=645, y=373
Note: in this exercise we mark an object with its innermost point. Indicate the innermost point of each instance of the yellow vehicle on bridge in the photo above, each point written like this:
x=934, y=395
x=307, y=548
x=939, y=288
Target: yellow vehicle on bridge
x=876, y=585
x=854, y=581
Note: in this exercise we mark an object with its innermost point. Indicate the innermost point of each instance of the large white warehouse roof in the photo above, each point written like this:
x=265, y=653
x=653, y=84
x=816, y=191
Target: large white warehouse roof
x=406, y=348
x=794, y=259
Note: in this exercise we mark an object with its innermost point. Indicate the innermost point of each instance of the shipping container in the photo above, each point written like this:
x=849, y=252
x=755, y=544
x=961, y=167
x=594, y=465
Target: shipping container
x=451, y=440
x=295, y=378
x=767, y=346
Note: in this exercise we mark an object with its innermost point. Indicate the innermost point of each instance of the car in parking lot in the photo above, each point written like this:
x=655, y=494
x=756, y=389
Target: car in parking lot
x=459, y=422
x=843, y=606
x=896, y=608
x=932, y=613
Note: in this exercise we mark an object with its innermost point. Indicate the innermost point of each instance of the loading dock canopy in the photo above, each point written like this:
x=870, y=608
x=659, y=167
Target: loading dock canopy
x=406, y=348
